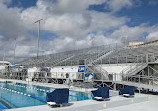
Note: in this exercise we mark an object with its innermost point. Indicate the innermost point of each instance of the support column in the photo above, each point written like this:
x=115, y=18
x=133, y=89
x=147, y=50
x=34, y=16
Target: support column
x=146, y=58
x=148, y=76
x=115, y=83
x=139, y=83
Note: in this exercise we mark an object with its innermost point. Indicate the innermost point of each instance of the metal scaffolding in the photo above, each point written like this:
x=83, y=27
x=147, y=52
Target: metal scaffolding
x=142, y=73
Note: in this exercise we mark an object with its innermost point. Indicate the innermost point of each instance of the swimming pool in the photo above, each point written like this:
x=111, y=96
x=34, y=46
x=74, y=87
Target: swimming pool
x=16, y=95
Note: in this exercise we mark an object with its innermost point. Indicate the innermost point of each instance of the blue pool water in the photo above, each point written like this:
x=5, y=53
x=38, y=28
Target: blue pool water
x=23, y=95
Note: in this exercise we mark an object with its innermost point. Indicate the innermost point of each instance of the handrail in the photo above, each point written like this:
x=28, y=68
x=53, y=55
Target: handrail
x=131, y=71
x=132, y=67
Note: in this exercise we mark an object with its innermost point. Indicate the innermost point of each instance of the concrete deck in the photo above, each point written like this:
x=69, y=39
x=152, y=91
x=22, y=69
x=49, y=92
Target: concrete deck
x=141, y=102
x=150, y=105
x=88, y=105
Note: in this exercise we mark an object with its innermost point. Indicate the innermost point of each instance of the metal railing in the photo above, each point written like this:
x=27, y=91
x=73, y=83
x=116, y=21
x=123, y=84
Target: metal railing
x=133, y=69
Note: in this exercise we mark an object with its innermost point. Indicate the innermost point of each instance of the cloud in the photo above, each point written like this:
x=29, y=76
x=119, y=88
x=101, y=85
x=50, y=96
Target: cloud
x=152, y=36
x=25, y=51
x=117, y=5
x=70, y=6
x=68, y=43
x=59, y=18
x=10, y=23
x=143, y=32
x=153, y=2
x=76, y=26
x=7, y=2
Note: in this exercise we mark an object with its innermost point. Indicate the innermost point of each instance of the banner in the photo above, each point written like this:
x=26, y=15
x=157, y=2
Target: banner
x=88, y=78
x=20, y=69
x=81, y=69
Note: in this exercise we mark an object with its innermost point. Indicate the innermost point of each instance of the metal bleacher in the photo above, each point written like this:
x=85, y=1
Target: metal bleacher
x=141, y=57
x=73, y=58
x=69, y=57
x=132, y=55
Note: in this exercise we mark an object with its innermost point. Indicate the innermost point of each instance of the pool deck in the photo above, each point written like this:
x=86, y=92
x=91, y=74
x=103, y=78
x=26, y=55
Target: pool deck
x=88, y=105
x=150, y=105
x=141, y=102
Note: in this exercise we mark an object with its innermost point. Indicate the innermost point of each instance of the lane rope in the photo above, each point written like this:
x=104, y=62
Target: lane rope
x=47, y=91
x=18, y=92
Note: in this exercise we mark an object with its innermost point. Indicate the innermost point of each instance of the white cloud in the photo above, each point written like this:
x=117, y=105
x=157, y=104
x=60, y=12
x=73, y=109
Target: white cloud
x=80, y=21
x=143, y=32
x=7, y=1
x=68, y=43
x=10, y=22
x=71, y=6
x=153, y=2
x=116, y=5
x=152, y=36
x=76, y=26
x=25, y=51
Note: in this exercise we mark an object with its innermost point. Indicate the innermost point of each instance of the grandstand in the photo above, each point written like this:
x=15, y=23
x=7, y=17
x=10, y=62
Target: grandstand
x=113, y=66
x=70, y=57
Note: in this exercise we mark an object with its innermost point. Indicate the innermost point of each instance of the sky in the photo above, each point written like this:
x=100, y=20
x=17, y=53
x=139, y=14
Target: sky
x=74, y=24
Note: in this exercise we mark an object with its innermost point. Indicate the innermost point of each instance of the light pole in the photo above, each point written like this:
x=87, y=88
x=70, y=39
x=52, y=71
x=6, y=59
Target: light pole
x=38, y=35
x=4, y=56
x=14, y=50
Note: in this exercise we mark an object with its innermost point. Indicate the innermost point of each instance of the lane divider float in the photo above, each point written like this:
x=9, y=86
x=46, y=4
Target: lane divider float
x=21, y=93
x=28, y=87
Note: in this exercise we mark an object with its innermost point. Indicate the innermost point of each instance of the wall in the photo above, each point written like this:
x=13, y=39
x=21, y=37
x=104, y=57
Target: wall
x=114, y=70
x=61, y=71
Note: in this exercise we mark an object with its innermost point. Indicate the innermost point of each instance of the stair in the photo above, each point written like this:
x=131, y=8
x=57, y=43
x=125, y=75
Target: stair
x=134, y=69
x=99, y=72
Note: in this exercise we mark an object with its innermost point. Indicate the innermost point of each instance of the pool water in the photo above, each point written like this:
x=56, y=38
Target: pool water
x=16, y=95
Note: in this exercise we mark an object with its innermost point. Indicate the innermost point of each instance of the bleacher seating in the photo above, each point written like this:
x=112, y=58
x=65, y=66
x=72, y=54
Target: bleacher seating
x=69, y=58
x=96, y=54
x=132, y=55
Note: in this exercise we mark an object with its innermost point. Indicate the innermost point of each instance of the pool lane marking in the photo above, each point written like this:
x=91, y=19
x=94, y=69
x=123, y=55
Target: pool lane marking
x=10, y=102
x=5, y=104
x=1, y=107
x=28, y=87
x=46, y=91
x=3, y=82
x=31, y=88
x=38, y=98
x=18, y=92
